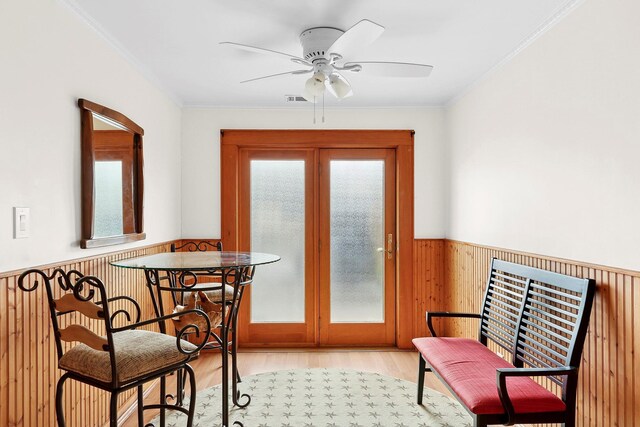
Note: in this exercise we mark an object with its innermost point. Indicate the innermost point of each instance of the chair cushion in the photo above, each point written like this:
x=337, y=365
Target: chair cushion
x=137, y=352
x=470, y=370
x=216, y=295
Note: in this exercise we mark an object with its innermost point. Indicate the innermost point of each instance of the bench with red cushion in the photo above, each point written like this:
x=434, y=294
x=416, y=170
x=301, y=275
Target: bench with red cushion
x=538, y=319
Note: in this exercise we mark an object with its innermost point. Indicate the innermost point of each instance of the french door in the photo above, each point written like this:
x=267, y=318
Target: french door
x=357, y=223
x=277, y=215
x=330, y=215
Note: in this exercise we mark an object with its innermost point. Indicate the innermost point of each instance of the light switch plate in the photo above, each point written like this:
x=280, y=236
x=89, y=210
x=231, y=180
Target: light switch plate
x=21, y=223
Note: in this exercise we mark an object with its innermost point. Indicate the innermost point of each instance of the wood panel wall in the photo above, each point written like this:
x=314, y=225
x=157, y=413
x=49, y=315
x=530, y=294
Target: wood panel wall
x=448, y=275
x=28, y=359
x=608, y=390
x=428, y=281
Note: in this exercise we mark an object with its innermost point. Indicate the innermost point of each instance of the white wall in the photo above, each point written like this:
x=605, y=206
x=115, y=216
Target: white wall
x=545, y=153
x=201, y=157
x=49, y=58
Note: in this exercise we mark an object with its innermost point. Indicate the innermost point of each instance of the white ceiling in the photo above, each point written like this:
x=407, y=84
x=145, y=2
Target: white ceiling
x=176, y=43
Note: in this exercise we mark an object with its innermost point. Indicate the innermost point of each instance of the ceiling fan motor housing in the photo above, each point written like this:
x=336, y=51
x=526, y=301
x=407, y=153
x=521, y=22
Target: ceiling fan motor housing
x=315, y=42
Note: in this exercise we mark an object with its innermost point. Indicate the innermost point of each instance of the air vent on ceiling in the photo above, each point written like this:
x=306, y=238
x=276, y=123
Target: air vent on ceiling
x=294, y=98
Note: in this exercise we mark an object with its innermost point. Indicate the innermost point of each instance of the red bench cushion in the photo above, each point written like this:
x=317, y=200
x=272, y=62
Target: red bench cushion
x=470, y=370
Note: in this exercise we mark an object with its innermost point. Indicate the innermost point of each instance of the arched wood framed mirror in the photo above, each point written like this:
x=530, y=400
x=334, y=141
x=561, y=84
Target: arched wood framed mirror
x=112, y=178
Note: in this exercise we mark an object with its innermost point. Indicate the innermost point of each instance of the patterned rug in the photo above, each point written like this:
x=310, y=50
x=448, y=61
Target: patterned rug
x=328, y=398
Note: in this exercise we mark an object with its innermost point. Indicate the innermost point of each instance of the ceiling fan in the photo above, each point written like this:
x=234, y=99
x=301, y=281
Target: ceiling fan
x=324, y=52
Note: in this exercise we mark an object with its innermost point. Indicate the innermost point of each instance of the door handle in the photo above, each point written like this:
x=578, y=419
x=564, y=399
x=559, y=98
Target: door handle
x=389, y=249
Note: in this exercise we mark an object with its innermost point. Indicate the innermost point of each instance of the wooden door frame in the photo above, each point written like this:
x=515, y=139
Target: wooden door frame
x=232, y=140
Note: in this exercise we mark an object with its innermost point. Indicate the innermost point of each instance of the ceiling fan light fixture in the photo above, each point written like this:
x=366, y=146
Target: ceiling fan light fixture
x=339, y=86
x=314, y=87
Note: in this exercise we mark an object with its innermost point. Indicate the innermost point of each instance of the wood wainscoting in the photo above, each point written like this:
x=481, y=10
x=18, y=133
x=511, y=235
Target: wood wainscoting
x=28, y=361
x=428, y=281
x=608, y=390
x=447, y=275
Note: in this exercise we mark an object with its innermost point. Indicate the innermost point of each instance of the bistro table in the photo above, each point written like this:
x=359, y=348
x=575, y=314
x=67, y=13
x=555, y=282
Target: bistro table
x=180, y=272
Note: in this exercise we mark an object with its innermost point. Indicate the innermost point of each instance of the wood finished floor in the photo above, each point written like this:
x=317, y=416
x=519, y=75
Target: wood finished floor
x=394, y=363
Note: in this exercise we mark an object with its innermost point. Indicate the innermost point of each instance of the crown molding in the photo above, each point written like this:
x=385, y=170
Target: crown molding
x=310, y=106
x=556, y=17
x=120, y=49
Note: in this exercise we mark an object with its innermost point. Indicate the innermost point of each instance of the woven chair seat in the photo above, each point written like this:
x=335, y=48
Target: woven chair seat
x=137, y=353
x=215, y=295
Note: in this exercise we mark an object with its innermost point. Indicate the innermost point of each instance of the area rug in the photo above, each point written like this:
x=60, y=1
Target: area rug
x=328, y=398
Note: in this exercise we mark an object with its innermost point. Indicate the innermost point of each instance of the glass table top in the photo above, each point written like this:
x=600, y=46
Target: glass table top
x=194, y=261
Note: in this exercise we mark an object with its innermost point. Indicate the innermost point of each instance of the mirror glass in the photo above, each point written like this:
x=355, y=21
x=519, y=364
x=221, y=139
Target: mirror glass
x=112, y=177
x=108, y=215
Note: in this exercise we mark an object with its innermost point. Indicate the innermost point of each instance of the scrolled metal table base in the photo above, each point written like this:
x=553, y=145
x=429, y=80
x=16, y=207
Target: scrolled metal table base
x=238, y=278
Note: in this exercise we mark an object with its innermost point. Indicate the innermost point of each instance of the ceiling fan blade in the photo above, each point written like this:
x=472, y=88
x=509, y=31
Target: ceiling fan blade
x=295, y=72
x=255, y=49
x=393, y=69
x=360, y=35
x=338, y=86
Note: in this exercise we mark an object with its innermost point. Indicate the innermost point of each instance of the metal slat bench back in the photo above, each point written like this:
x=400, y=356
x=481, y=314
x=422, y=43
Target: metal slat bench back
x=536, y=315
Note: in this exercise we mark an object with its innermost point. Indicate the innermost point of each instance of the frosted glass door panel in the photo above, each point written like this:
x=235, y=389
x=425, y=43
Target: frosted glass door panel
x=356, y=233
x=278, y=227
x=108, y=220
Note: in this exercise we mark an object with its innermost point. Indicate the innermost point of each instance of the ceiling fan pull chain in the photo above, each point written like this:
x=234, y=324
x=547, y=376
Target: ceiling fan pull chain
x=314, y=109
x=322, y=107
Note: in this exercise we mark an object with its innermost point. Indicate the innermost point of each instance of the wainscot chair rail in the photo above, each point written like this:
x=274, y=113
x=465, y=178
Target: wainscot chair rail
x=540, y=319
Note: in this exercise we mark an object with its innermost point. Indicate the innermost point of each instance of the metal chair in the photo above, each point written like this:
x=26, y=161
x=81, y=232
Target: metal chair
x=193, y=246
x=201, y=278
x=114, y=359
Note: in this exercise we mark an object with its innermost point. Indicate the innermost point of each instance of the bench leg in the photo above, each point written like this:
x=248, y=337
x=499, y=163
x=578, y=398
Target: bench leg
x=422, y=365
x=571, y=421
